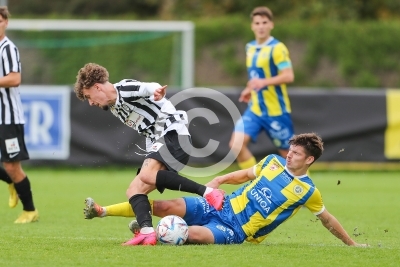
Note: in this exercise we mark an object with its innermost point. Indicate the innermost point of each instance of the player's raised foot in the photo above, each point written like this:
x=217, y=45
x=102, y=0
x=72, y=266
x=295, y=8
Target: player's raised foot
x=140, y=239
x=28, y=217
x=13, y=199
x=134, y=227
x=92, y=209
x=215, y=198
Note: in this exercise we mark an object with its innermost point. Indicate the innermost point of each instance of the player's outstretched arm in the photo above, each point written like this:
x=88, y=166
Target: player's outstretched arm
x=148, y=89
x=334, y=226
x=236, y=177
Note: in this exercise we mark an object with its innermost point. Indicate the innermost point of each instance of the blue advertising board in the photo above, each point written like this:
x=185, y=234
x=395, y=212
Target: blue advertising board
x=47, y=121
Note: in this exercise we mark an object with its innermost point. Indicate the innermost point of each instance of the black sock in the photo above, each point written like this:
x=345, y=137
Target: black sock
x=23, y=189
x=142, y=209
x=4, y=176
x=173, y=181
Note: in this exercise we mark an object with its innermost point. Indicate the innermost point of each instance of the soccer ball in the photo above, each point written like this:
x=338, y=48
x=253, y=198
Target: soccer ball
x=172, y=230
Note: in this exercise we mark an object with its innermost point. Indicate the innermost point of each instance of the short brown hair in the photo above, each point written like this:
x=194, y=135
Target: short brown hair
x=87, y=76
x=262, y=11
x=4, y=12
x=311, y=142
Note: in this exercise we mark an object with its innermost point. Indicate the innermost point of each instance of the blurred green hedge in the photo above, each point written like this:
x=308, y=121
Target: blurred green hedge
x=364, y=54
x=355, y=54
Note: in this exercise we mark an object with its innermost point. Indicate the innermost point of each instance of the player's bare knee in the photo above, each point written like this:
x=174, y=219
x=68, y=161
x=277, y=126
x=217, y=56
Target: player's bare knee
x=195, y=237
x=147, y=177
x=129, y=193
x=14, y=170
x=162, y=208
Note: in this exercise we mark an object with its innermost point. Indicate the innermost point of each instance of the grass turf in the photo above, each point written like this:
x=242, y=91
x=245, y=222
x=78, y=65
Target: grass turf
x=366, y=203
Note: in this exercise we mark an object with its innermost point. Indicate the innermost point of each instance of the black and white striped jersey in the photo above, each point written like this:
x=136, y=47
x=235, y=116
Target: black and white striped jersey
x=135, y=107
x=11, y=111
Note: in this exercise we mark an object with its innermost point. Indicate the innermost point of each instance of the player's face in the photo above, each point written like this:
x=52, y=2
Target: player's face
x=297, y=158
x=261, y=26
x=3, y=26
x=96, y=96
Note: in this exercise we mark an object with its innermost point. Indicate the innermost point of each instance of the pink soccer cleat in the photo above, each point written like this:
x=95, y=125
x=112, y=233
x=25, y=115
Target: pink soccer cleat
x=142, y=239
x=215, y=198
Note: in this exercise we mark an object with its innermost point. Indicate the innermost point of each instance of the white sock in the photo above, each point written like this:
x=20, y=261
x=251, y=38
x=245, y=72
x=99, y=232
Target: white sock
x=147, y=230
x=208, y=190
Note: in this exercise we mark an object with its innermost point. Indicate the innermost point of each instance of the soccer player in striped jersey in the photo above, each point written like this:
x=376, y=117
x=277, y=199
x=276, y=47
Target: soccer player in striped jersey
x=143, y=107
x=12, y=143
x=269, y=70
x=276, y=191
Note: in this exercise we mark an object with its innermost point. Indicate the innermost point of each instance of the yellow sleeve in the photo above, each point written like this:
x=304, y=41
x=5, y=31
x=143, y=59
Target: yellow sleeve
x=258, y=166
x=281, y=57
x=315, y=203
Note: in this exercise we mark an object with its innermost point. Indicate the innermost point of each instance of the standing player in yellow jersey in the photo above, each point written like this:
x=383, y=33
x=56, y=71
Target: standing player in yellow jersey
x=269, y=70
x=277, y=190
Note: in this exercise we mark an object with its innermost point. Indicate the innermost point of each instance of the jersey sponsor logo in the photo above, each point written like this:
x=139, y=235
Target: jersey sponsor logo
x=230, y=232
x=229, y=237
x=254, y=74
x=298, y=189
x=283, y=133
x=206, y=206
x=155, y=147
x=134, y=120
x=263, y=198
x=275, y=125
x=273, y=167
x=266, y=192
x=277, y=142
x=286, y=177
x=221, y=227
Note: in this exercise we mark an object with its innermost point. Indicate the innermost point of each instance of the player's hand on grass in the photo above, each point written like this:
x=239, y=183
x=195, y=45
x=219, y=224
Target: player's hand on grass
x=160, y=93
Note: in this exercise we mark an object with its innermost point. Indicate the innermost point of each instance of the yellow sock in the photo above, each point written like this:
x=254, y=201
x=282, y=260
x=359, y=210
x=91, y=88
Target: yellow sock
x=123, y=209
x=247, y=163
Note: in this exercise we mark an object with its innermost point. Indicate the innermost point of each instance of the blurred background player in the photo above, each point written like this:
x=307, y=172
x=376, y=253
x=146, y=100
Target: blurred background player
x=269, y=70
x=144, y=108
x=277, y=190
x=12, y=143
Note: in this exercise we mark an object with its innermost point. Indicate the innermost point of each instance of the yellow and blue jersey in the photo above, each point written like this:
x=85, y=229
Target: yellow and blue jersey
x=272, y=198
x=265, y=61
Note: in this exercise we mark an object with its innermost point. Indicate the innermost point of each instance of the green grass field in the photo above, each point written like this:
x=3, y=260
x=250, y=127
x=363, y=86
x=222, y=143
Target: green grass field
x=366, y=203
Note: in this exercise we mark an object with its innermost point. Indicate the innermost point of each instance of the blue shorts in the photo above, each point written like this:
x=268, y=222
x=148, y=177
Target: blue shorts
x=279, y=129
x=223, y=224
